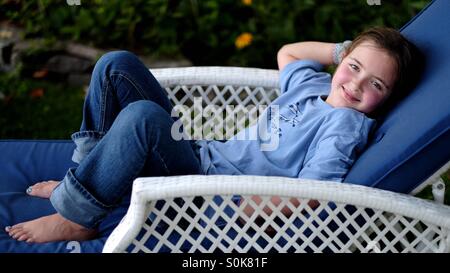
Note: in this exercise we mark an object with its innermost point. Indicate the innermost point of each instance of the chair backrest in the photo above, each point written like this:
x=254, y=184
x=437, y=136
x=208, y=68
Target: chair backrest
x=413, y=142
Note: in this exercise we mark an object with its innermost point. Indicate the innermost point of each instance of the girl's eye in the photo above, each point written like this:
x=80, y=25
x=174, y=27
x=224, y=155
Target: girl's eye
x=354, y=67
x=376, y=85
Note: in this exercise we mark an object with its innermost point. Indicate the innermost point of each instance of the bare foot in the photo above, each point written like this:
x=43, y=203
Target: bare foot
x=49, y=229
x=43, y=189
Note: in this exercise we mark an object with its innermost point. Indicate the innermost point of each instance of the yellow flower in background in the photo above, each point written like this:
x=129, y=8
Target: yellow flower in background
x=243, y=40
x=247, y=2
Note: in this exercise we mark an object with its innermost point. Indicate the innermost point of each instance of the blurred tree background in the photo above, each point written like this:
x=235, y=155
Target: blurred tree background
x=37, y=104
x=205, y=31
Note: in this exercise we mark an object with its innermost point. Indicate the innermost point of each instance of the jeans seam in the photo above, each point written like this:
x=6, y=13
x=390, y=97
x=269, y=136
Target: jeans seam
x=88, y=133
x=137, y=87
x=103, y=104
x=162, y=160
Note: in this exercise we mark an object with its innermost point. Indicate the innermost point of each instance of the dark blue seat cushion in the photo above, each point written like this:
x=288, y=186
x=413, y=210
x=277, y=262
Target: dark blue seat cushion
x=413, y=140
x=23, y=163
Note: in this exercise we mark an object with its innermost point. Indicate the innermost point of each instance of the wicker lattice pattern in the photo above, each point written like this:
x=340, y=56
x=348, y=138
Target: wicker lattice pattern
x=342, y=218
x=182, y=228
x=216, y=102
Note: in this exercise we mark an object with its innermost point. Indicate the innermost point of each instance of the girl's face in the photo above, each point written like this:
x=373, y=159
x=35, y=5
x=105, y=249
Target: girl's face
x=364, y=79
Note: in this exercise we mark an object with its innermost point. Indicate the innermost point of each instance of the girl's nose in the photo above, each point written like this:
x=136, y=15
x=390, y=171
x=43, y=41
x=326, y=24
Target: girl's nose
x=355, y=86
x=357, y=83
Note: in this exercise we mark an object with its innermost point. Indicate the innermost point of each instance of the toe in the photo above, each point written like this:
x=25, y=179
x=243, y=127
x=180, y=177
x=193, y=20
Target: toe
x=14, y=229
x=23, y=237
x=36, y=186
x=19, y=235
x=42, y=189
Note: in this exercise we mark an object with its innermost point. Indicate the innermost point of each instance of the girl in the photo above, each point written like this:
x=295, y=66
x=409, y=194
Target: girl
x=323, y=124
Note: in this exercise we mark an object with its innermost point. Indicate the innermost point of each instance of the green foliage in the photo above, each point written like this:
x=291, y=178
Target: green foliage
x=204, y=31
x=446, y=179
x=33, y=109
x=428, y=194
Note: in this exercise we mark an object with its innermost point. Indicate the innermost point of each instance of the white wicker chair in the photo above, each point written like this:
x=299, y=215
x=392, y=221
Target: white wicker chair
x=182, y=213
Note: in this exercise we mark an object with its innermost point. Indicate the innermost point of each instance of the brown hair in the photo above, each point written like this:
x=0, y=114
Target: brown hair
x=406, y=55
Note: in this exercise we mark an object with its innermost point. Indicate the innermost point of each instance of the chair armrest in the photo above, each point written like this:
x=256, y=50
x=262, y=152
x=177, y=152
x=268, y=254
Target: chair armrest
x=401, y=207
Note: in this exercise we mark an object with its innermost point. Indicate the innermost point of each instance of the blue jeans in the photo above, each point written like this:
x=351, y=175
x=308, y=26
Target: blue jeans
x=125, y=134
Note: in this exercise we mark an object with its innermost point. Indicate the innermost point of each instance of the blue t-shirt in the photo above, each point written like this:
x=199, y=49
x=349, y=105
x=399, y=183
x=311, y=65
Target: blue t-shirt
x=306, y=137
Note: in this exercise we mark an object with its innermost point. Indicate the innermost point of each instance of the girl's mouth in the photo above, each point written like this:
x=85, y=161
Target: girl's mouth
x=348, y=97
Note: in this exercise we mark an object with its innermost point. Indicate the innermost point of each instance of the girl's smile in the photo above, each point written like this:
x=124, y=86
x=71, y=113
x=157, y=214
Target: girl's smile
x=349, y=97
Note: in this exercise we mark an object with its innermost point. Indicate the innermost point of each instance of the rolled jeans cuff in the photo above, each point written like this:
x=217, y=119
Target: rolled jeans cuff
x=75, y=203
x=85, y=141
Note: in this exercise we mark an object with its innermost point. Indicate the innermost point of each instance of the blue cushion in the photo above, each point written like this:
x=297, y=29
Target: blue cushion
x=413, y=140
x=23, y=163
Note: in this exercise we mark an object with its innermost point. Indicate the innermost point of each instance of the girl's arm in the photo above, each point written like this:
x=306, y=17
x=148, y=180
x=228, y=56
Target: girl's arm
x=318, y=51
